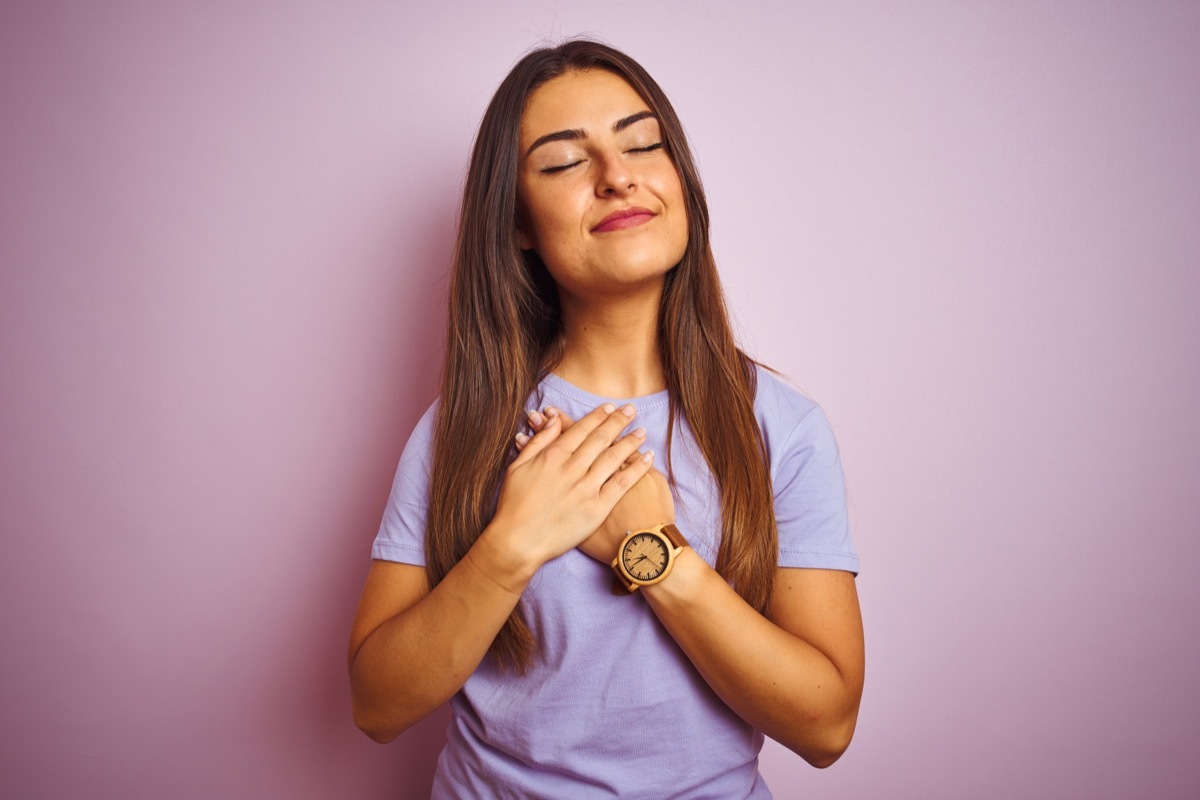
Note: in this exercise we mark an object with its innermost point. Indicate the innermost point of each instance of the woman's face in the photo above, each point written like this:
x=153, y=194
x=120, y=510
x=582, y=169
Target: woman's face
x=600, y=199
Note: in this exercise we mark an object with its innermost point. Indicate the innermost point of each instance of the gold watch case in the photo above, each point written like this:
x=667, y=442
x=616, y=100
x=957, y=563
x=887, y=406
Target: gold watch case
x=646, y=556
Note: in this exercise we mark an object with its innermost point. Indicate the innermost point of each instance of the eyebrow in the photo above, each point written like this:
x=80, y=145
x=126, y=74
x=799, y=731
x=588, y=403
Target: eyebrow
x=578, y=133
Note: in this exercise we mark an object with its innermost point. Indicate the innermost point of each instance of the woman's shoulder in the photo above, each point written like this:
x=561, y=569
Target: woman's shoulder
x=792, y=423
x=779, y=401
x=419, y=447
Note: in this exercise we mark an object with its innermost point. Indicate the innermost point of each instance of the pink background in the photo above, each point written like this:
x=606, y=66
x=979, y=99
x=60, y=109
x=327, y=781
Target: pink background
x=969, y=230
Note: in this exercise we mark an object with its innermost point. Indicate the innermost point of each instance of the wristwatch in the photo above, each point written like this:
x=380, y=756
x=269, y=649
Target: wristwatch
x=647, y=556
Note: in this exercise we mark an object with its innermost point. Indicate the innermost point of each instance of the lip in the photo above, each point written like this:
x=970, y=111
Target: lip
x=625, y=218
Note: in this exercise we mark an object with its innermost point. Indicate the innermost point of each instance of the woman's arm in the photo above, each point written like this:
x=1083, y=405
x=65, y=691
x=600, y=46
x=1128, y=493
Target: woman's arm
x=411, y=648
x=796, y=675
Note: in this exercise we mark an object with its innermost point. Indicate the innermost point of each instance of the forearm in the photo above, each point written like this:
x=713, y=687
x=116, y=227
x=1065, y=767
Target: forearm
x=411, y=650
x=776, y=681
x=416, y=660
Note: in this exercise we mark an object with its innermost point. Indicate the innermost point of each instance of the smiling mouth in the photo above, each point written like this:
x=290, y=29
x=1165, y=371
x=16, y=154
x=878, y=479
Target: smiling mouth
x=625, y=218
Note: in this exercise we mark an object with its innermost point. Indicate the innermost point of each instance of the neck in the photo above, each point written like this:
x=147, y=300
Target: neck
x=610, y=345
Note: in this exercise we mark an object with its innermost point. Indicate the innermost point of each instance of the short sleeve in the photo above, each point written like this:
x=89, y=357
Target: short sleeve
x=809, y=486
x=401, y=535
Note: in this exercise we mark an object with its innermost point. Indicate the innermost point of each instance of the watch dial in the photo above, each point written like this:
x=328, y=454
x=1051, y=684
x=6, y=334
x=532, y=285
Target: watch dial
x=644, y=556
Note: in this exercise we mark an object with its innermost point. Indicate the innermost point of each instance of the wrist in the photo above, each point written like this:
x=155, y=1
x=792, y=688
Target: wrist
x=498, y=555
x=686, y=577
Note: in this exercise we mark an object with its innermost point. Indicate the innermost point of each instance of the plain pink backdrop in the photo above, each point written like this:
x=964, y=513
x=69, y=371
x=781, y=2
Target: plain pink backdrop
x=970, y=230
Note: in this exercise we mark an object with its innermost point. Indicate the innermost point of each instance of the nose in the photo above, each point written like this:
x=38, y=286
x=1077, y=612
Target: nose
x=615, y=178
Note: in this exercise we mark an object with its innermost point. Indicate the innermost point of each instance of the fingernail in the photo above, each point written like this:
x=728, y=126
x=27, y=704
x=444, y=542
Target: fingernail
x=522, y=440
x=646, y=459
x=609, y=408
x=627, y=410
x=535, y=418
x=640, y=433
x=551, y=411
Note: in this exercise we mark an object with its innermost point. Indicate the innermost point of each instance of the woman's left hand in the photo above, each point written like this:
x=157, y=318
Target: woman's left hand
x=648, y=503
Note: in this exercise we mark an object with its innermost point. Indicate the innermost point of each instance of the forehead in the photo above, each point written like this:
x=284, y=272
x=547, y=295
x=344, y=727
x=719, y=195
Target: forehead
x=590, y=101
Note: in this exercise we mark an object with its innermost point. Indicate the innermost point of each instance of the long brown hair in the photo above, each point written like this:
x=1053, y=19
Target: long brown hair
x=505, y=328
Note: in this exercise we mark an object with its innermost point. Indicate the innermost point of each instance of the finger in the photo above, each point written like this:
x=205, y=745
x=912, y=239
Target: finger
x=617, y=457
x=624, y=479
x=562, y=417
x=530, y=446
x=572, y=438
x=601, y=437
x=537, y=419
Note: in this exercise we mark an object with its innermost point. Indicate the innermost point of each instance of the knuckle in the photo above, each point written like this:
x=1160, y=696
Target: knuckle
x=600, y=435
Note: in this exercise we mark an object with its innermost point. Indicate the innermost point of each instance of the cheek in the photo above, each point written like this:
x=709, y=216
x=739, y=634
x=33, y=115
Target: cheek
x=680, y=228
x=681, y=241
x=550, y=235
x=670, y=189
x=548, y=217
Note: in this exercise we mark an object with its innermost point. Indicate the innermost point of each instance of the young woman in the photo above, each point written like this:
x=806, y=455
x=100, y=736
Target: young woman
x=615, y=544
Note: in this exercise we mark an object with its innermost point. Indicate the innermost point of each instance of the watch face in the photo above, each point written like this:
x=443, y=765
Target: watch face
x=644, y=556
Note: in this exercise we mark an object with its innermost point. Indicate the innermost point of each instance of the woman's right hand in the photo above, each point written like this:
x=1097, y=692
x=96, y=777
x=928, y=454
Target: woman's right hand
x=564, y=483
x=648, y=502
x=413, y=646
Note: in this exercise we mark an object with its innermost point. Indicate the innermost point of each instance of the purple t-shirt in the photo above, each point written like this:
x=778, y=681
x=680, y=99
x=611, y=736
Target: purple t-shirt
x=613, y=708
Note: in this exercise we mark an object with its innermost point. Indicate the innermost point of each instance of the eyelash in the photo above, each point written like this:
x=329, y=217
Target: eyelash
x=647, y=149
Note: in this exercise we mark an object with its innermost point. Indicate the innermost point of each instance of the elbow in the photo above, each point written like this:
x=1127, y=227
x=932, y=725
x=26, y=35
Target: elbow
x=826, y=753
x=371, y=719
x=370, y=716
x=378, y=736
x=826, y=758
x=369, y=725
x=825, y=743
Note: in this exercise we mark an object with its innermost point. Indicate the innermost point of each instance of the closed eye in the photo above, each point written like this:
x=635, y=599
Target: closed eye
x=559, y=168
x=650, y=148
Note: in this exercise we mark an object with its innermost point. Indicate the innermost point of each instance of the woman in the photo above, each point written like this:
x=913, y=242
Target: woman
x=523, y=571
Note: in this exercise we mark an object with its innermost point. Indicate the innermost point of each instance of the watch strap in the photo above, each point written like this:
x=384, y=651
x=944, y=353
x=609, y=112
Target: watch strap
x=674, y=535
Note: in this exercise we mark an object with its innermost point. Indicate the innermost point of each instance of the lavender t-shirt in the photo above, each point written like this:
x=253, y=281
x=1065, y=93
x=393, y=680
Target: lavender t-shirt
x=612, y=707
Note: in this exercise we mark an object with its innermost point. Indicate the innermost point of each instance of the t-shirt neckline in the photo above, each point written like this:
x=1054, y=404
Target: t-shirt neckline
x=568, y=389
